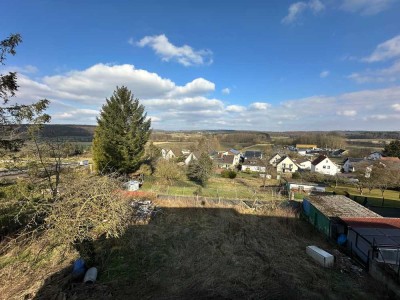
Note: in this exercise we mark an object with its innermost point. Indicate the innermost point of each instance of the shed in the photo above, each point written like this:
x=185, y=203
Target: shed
x=377, y=238
x=132, y=185
x=323, y=212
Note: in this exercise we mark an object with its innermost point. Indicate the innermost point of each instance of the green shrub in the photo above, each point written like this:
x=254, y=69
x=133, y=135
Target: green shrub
x=296, y=175
x=228, y=174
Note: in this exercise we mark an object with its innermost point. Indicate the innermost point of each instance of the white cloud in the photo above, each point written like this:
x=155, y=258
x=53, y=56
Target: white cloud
x=296, y=10
x=390, y=74
x=184, y=55
x=396, y=106
x=386, y=50
x=235, y=108
x=347, y=113
x=199, y=86
x=259, y=105
x=77, y=96
x=226, y=91
x=366, y=7
x=324, y=74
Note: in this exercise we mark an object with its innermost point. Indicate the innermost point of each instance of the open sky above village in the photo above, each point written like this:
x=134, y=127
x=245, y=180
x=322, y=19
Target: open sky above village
x=247, y=65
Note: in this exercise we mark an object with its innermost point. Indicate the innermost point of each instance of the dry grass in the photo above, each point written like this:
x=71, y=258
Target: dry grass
x=198, y=250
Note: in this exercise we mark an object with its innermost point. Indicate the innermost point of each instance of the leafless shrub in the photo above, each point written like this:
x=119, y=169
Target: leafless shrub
x=88, y=208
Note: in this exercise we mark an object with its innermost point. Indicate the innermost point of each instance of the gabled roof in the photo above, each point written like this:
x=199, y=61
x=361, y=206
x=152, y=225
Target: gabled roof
x=353, y=160
x=338, y=151
x=253, y=162
x=253, y=153
x=373, y=222
x=319, y=159
x=341, y=206
x=283, y=158
x=228, y=159
x=302, y=160
x=233, y=151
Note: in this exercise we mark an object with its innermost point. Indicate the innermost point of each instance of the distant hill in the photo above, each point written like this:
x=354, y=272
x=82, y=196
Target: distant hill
x=78, y=132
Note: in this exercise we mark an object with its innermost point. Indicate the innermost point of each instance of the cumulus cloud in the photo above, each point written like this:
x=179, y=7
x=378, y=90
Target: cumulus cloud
x=226, y=91
x=386, y=50
x=235, y=108
x=259, y=106
x=389, y=74
x=324, y=74
x=77, y=96
x=296, y=10
x=185, y=55
x=366, y=7
x=199, y=86
x=347, y=113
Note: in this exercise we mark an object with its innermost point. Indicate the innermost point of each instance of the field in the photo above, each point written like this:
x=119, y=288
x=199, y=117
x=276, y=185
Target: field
x=193, y=251
x=245, y=186
x=392, y=198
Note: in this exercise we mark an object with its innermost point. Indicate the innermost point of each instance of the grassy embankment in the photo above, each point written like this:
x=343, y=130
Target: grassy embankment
x=193, y=251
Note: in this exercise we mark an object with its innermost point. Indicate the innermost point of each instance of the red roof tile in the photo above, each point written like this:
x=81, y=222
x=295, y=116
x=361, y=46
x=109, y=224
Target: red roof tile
x=373, y=222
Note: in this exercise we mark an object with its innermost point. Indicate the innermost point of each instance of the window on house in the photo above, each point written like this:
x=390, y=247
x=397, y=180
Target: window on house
x=324, y=167
x=328, y=167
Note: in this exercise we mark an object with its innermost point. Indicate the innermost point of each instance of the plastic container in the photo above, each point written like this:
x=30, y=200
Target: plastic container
x=91, y=275
x=79, y=269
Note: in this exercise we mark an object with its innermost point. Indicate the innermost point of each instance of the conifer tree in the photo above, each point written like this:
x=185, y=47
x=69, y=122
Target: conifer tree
x=121, y=134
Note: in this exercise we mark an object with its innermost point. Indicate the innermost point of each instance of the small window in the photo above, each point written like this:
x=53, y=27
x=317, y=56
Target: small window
x=324, y=167
x=328, y=167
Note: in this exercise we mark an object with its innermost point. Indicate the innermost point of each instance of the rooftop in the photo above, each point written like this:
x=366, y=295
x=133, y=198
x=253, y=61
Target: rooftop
x=340, y=206
x=384, y=232
x=318, y=160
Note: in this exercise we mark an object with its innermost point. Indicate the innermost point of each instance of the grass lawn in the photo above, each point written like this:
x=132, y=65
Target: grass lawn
x=245, y=186
x=374, y=197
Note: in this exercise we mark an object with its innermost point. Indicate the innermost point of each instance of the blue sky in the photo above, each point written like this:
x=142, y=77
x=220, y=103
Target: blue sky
x=259, y=65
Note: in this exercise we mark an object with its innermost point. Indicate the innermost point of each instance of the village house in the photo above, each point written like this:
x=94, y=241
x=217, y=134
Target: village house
x=375, y=155
x=306, y=147
x=338, y=152
x=253, y=154
x=253, y=165
x=286, y=165
x=227, y=162
x=167, y=154
x=324, y=165
x=190, y=157
x=303, y=163
x=349, y=164
x=274, y=159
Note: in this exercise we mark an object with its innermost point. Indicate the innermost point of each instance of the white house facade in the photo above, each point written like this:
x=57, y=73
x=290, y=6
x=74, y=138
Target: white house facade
x=274, y=159
x=190, y=157
x=324, y=165
x=167, y=154
x=286, y=165
x=304, y=164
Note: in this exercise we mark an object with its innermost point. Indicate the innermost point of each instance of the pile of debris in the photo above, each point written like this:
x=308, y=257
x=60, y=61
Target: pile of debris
x=144, y=210
x=346, y=265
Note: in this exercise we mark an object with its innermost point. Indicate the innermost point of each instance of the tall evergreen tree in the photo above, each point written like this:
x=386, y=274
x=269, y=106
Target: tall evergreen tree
x=121, y=134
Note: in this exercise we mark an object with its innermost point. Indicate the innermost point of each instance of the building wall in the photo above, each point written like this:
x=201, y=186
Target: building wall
x=357, y=245
x=326, y=167
x=286, y=166
x=253, y=168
